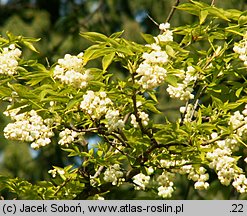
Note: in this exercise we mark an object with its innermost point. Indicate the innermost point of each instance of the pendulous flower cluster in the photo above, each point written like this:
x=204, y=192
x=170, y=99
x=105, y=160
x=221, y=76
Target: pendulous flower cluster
x=165, y=35
x=222, y=159
x=68, y=136
x=30, y=127
x=166, y=189
x=97, y=105
x=241, y=49
x=141, y=181
x=9, y=60
x=142, y=115
x=114, y=175
x=70, y=71
x=151, y=71
x=183, y=91
x=183, y=167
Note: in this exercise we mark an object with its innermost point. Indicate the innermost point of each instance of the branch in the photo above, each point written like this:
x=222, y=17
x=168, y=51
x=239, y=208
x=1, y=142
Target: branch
x=82, y=130
x=222, y=135
x=61, y=186
x=212, y=2
x=121, y=140
x=172, y=11
x=157, y=24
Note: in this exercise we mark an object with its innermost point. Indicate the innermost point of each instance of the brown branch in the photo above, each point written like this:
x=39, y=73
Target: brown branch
x=61, y=186
x=172, y=11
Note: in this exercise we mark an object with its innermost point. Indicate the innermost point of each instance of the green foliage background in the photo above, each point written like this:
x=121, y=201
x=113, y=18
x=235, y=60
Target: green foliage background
x=58, y=24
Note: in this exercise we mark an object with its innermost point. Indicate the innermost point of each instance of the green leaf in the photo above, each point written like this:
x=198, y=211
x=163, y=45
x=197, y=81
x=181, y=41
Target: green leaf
x=150, y=106
x=242, y=18
x=170, y=51
x=171, y=79
x=190, y=8
x=107, y=60
x=94, y=36
x=217, y=12
x=30, y=46
x=153, y=96
x=117, y=34
x=203, y=15
x=231, y=106
x=217, y=102
x=148, y=38
x=238, y=92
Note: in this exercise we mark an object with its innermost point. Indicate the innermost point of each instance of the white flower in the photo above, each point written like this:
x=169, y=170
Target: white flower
x=113, y=120
x=9, y=60
x=201, y=185
x=141, y=181
x=240, y=183
x=164, y=26
x=133, y=120
x=156, y=57
x=68, y=136
x=164, y=37
x=113, y=174
x=241, y=49
x=95, y=104
x=29, y=127
x=150, y=170
x=166, y=188
x=165, y=192
x=142, y=115
x=70, y=71
x=151, y=70
x=189, y=112
x=183, y=91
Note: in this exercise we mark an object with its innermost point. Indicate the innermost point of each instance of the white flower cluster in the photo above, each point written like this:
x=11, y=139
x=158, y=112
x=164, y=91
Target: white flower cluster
x=221, y=159
x=68, y=136
x=182, y=167
x=151, y=71
x=143, y=116
x=166, y=34
x=30, y=127
x=198, y=176
x=141, y=181
x=97, y=105
x=70, y=70
x=183, y=91
x=56, y=171
x=114, y=175
x=240, y=183
x=238, y=120
x=113, y=120
x=165, y=180
x=241, y=49
x=188, y=112
x=9, y=60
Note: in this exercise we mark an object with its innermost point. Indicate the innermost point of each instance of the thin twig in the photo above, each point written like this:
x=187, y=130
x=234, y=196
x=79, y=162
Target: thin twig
x=172, y=11
x=61, y=186
x=82, y=130
x=120, y=139
x=152, y=20
x=212, y=2
x=222, y=135
x=98, y=172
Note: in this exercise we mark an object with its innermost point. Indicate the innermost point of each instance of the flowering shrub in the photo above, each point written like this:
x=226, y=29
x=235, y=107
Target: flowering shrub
x=202, y=65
